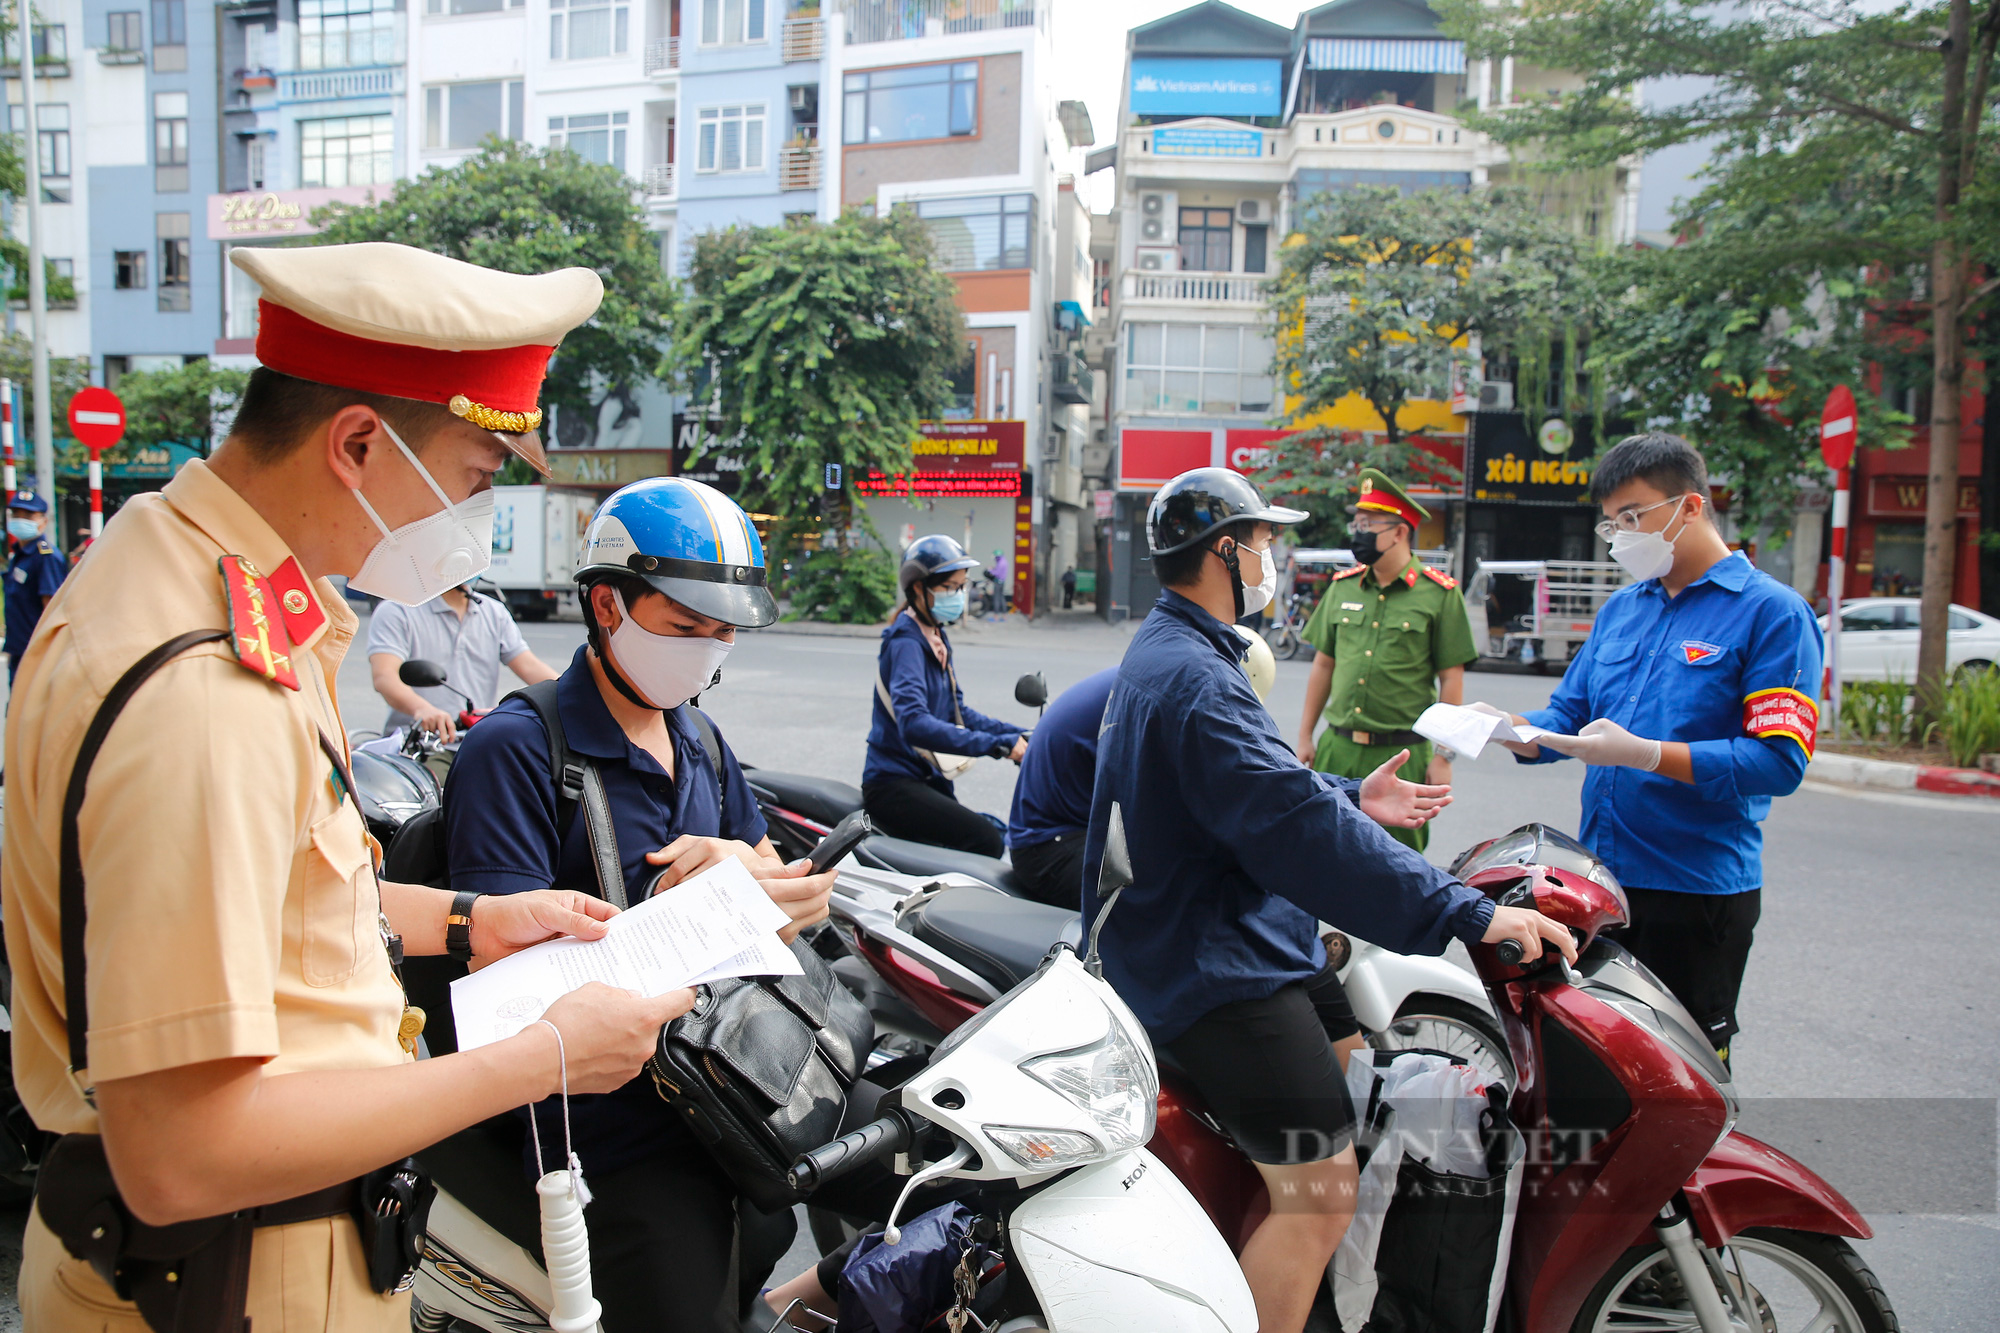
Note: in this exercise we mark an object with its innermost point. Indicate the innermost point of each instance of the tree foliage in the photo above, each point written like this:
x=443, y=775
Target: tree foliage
x=67, y=374
x=181, y=404
x=815, y=344
x=522, y=209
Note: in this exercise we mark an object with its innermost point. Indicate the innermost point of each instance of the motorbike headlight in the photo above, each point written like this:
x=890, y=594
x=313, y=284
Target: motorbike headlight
x=1113, y=1080
x=1046, y=1149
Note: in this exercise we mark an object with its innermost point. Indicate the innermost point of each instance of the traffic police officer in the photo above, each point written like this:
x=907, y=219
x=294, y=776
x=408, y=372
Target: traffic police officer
x=35, y=569
x=242, y=1049
x=1392, y=639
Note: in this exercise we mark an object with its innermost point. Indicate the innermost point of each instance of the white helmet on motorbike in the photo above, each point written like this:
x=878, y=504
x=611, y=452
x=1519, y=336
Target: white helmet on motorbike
x=1258, y=663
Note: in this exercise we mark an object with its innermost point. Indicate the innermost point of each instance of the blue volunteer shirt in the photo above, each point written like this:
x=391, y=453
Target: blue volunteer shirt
x=34, y=571
x=927, y=699
x=1732, y=667
x=1238, y=850
x=1052, y=793
x=500, y=827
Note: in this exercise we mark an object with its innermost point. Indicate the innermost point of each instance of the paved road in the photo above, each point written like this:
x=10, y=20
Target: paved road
x=1871, y=978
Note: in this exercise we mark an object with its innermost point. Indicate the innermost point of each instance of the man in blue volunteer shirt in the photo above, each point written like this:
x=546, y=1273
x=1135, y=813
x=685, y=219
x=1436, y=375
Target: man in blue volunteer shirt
x=1695, y=700
x=35, y=569
x=1237, y=849
x=1052, y=794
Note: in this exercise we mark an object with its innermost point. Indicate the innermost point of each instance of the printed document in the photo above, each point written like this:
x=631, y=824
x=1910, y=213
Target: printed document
x=719, y=924
x=1467, y=730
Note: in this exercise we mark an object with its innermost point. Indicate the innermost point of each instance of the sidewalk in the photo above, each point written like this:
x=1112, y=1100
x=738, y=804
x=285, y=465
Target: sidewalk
x=1887, y=775
x=1077, y=631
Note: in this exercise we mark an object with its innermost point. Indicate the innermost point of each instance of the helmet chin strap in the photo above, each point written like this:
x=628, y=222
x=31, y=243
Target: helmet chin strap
x=1229, y=561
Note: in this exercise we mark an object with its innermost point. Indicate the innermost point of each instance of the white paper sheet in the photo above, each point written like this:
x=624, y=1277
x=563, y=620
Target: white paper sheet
x=718, y=924
x=1467, y=730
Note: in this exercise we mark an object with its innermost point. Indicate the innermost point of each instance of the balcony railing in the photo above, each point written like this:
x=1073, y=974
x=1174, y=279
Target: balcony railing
x=663, y=54
x=1214, y=288
x=1071, y=381
x=658, y=181
x=332, y=85
x=802, y=39
x=900, y=20
x=798, y=167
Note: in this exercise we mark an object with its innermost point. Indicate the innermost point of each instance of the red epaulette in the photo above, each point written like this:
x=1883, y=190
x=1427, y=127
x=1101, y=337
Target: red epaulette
x=301, y=610
x=1350, y=573
x=1439, y=577
x=256, y=628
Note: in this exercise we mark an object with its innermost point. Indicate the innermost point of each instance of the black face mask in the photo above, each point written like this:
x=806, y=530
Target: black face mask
x=1365, y=545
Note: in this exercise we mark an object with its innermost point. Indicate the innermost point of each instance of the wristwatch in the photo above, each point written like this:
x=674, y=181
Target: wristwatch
x=458, y=926
x=1444, y=752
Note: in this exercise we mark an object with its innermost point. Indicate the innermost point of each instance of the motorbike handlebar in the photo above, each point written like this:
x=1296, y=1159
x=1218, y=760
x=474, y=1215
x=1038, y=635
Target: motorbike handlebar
x=1510, y=953
x=893, y=1133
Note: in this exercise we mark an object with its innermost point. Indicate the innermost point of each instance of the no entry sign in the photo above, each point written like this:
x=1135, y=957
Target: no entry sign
x=1836, y=428
x=96, y=418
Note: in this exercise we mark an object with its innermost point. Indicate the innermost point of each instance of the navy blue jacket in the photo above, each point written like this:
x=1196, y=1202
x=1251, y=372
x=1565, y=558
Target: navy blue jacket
x=34, y=571
x=926, y=700
x=1238, y=849
x=1052, y=794
x=500, y=827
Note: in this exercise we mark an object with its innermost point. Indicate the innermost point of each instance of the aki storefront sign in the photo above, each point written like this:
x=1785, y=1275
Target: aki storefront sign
x=1506, y=462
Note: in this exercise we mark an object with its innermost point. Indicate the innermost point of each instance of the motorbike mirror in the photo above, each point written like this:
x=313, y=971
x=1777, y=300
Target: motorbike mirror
x=416, y=671
x=1115, y=871
x=1031, y=691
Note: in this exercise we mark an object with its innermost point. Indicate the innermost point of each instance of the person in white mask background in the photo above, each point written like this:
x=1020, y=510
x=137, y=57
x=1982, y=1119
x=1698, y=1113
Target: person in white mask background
x=672, y=570
x=1695, y=701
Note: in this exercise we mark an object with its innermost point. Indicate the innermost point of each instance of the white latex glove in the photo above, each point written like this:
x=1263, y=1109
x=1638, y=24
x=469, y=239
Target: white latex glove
x=1490, y=710
x=1526, y=751
x=1605, y=743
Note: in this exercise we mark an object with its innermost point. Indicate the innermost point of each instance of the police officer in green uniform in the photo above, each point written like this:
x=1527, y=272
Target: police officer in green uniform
x=1392, y=639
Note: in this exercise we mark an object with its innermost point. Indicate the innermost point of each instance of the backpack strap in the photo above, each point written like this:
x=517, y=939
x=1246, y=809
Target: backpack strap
x=567, y=768
x=73, y=908
x=578, y=783
x=705, y=730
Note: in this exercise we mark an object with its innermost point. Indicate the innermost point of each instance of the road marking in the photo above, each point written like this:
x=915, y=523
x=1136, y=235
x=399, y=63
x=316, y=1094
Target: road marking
x=1955, y=804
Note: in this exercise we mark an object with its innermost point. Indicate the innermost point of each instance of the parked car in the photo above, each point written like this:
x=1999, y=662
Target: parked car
x=1878, y=639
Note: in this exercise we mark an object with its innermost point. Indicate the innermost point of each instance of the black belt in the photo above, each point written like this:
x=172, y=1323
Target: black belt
x=340, y=1200
x=1378, y=737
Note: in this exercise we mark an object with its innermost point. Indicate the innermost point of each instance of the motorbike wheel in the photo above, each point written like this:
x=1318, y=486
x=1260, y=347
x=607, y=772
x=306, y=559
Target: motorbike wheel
x=1284, y=643
x=1439, y=1023
x=1779, y=1281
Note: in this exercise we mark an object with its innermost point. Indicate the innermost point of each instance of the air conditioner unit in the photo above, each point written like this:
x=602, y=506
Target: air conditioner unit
x=1496, y=396
x=799, y=96
x=1156, y=259
x=1250, y=210
x=1156, y=217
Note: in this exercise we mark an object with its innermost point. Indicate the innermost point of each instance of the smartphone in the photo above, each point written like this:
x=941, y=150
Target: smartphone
x=844, y=838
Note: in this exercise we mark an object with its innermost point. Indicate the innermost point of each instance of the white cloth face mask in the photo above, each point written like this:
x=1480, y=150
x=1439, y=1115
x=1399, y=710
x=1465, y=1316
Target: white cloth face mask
x=666, y=669
x=1258, y=595
x=1645, y=555
x=418, y=561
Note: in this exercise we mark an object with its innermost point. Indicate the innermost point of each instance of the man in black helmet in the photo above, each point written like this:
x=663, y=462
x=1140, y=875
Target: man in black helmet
x=1237, y=851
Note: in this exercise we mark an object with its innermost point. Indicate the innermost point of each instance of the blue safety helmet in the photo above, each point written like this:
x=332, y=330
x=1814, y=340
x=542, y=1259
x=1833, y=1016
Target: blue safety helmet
x=928, y=557
x=689, y=541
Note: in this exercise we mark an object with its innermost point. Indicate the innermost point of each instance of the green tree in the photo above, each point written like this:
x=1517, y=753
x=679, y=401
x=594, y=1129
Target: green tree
x=529, y=210
x=814, y=344
x=67, y=374
x=1805, y=101
x=180, y=404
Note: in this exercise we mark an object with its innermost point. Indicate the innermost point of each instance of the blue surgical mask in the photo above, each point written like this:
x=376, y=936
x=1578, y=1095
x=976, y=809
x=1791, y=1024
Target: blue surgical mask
x=948, y=607
x=24, y=530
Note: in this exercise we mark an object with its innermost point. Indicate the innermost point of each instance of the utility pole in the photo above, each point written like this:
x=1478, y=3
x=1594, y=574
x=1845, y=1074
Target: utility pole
x=38, y=293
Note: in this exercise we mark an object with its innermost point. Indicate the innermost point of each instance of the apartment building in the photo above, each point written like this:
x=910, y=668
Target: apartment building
x=65, y=77
x=1227, y=125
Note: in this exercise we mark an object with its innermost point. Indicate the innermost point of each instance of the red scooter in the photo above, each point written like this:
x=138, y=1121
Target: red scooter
x=1640, y=1206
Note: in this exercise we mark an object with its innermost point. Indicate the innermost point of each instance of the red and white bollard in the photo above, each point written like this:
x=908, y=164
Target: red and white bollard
x=96, y=495
x=7, y=434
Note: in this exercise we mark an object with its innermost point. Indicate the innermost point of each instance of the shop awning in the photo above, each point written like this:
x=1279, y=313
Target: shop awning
x=1400, y=55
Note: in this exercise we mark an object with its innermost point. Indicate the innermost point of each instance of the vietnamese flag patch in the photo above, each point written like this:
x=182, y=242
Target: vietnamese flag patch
x=1697, y=651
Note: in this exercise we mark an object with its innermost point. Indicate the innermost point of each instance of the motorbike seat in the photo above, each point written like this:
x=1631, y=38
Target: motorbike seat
x=482, y=1166
x=822, y=800
x=998, y=938
x=920, y=858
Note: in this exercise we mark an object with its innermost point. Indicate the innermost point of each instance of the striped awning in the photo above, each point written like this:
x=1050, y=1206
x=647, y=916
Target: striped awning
x=1402, y=55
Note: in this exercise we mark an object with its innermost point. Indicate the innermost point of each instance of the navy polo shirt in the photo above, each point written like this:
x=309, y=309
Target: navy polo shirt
x=1052, y=794
x=1238, y=850
x=1732, y=667
x=34, y=571
x=500, y=825
x=927, y=699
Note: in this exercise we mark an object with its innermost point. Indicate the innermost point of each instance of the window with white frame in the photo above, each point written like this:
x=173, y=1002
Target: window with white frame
x=588, y=29
x=1196, y=368
x=731, y=22
x=730, y=138
x=52, y=134
x=347, y=150
x=460, y=115
x=341, y=34
x=599, y=138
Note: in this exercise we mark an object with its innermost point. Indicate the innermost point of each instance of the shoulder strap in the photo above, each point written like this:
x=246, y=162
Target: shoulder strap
x=579, y=783
x=73, y=909
x=712, y=743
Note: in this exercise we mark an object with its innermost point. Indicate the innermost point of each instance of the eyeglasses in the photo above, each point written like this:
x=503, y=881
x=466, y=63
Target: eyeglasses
x=1374, y=525
x=1627, y=520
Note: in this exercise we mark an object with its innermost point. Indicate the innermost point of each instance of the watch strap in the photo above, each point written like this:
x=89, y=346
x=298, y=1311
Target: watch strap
x=458, y=927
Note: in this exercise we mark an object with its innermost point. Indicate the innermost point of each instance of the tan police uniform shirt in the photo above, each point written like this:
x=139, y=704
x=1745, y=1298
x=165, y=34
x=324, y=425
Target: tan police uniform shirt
x=233, y=911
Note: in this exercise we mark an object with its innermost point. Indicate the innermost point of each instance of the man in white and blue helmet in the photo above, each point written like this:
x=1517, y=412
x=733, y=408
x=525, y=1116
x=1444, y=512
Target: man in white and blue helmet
x=671, y=570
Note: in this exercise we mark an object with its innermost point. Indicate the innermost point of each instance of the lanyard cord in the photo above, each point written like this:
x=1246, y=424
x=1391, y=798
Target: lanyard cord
x=577, y=1186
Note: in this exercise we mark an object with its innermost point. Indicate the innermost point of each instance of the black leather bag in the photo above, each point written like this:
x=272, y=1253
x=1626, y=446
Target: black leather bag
x=760, y=1069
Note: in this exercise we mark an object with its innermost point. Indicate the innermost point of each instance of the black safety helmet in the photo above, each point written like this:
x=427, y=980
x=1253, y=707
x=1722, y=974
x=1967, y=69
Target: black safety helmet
x=1190, y=508
x=928, y=557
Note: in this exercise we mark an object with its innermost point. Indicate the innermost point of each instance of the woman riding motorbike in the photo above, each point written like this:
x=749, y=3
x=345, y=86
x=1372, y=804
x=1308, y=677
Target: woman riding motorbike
x=923, y=734
x=671, y=569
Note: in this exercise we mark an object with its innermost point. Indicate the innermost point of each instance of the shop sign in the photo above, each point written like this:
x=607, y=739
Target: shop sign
x=1504, y=462
x=1907, y=497
x=925, y=484
x=973, y=445
x=257, y=214
x=1199, y=142
x=1207, y=86
x=607, y=467
x=719, y=467
x=146, y=462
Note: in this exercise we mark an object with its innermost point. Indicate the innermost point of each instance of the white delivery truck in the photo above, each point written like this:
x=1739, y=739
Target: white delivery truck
x=537, y=541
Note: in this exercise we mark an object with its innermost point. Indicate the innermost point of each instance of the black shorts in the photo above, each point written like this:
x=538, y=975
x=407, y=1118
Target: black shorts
x=1269, y=1074
x=1697, y=944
